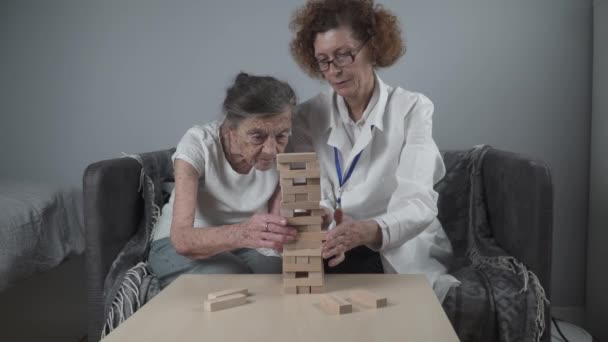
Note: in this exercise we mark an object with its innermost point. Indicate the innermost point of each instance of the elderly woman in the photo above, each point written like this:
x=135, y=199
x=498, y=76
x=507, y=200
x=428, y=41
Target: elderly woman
x=222, y=215
x=378, y=158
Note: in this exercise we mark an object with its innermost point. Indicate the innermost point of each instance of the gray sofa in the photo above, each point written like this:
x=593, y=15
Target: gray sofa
x=518, y=200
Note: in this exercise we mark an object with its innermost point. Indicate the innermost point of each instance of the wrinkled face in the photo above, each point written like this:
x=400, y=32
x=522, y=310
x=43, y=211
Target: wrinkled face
x=352, y=80
x=259, y=140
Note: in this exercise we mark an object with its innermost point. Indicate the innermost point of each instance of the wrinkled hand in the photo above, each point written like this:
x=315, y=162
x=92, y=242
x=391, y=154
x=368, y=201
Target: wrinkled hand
x=345, y=236
x=253, y=233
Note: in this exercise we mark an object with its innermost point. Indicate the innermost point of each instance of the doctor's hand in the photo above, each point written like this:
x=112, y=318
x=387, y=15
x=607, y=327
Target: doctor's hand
x=348, y=235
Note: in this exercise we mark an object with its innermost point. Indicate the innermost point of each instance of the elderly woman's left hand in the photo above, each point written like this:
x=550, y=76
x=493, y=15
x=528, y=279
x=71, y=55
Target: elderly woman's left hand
x=348, y=235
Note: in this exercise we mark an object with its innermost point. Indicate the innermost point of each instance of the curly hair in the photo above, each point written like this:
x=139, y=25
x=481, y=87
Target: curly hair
x=367, y=21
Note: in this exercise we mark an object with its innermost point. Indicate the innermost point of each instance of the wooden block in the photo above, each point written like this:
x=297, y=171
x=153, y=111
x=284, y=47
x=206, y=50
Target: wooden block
x=304, y=220
x=287, y=199
x=315, y=275
x=313, y=165
x=296, y=157
x=227, y=292
x=309, y=229
x=313, y=197
x=317, y=289
x=289, y=275
x=300, y=205
x=303, y=289
x=301, y=174
x=290, y=290
x=312, y=236
x=301, y=189
x=313, y=181
x=309, y=267
x=302, y=260
x=303, y=282
x=287, y=212
x=335, y=305
x=303, y=252
x=289, y=260
x=317, y=212
x=302, y=244
x=300, y=197
x=225, y=302
x=367, y=298
x=315, y=260
x=283, y=167
x=286, y=182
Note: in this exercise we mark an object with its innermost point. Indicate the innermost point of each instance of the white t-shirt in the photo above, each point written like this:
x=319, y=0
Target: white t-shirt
x=224, y=196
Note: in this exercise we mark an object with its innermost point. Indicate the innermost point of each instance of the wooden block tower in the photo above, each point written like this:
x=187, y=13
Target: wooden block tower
x=301, y=193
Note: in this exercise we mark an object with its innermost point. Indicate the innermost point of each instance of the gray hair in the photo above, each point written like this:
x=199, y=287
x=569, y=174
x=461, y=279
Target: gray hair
x=256, y=96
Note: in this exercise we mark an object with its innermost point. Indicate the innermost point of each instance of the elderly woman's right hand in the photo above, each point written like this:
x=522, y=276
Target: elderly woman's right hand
x=265, y=231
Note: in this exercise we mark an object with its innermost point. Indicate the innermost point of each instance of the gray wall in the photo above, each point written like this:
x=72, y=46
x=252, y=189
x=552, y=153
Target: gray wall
x=597, y=278
x=85, y=80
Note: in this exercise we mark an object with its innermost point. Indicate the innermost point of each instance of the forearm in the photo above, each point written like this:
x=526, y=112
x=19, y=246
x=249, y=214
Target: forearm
x=374, y=235
x=201, y=243
x=398, y=226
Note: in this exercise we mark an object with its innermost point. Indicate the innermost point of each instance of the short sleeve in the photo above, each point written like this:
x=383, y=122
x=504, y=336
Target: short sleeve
x=191, y=149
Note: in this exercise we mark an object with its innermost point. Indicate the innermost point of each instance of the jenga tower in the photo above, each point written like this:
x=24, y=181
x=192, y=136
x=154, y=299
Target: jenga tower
x=301, y=193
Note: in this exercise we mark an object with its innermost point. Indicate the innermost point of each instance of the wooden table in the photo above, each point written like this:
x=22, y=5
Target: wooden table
x=413, y=312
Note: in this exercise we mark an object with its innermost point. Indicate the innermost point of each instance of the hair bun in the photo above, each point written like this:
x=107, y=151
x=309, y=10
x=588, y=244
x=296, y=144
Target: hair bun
x=242, y=76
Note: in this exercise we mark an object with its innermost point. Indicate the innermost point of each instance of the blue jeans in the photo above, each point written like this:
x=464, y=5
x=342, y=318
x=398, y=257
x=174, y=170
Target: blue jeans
x=167, y=264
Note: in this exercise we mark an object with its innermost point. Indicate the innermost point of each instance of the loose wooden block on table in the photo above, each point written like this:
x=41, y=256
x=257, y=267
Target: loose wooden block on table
x=225, y=302
x=335, y=305
x=367, y=298
x=227, y=292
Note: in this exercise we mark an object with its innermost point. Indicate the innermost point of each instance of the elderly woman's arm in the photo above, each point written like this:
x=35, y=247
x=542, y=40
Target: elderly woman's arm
x=203, y=243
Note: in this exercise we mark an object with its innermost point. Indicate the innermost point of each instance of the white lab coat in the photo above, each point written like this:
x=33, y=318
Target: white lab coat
x=393, y=181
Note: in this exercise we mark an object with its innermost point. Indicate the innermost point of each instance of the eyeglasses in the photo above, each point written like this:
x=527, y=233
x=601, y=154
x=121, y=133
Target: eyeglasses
x=341, y=60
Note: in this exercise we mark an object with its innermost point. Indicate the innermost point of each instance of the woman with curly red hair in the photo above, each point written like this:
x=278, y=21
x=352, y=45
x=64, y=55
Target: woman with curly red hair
x=374, y=142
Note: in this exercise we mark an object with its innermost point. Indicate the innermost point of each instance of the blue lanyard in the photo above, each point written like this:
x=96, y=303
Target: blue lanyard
x=349, y=172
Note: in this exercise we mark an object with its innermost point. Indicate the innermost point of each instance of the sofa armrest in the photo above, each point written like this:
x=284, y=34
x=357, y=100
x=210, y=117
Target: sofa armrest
x=519, y=197
x=112, y=209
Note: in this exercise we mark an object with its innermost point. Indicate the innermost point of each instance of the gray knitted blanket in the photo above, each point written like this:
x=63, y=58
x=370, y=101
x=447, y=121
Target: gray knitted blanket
x=129, y=283
x=499, y=298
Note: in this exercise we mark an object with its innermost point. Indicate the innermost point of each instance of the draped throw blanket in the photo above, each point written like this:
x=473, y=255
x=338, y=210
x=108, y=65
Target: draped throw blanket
x=129, y=283
x=499, y=298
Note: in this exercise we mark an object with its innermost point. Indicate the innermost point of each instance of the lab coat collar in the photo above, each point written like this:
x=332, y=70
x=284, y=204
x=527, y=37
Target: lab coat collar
x=338, y=138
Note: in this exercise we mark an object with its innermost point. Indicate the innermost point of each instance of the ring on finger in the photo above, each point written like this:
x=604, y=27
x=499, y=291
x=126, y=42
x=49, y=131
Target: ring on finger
x=266, y=228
